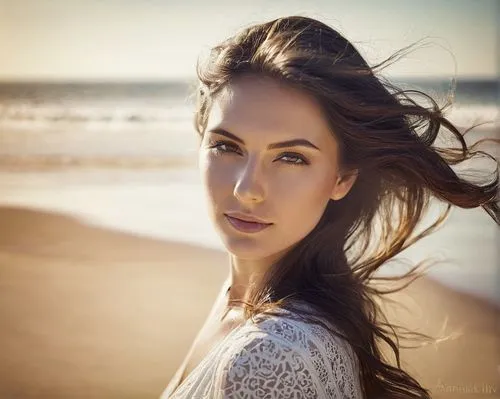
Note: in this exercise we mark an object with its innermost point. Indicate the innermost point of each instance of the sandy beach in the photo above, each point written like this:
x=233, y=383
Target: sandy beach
x=97, y=313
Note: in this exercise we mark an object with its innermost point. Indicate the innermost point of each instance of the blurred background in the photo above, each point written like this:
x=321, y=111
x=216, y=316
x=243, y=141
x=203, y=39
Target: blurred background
x=108, y=262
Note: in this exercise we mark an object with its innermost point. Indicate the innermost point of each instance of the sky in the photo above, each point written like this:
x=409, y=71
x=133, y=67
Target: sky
x=148, y=40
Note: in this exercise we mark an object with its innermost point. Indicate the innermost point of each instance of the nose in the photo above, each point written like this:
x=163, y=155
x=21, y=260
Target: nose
x=249, y=185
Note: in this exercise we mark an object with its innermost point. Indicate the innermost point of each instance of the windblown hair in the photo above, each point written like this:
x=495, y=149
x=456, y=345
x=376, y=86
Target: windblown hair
x=390, y=138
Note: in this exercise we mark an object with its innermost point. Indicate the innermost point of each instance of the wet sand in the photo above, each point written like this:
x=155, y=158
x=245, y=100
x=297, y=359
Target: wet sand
x=96, y=313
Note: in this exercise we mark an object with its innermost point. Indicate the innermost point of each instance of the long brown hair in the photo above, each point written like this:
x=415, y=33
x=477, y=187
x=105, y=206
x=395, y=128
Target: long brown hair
x=390, y=139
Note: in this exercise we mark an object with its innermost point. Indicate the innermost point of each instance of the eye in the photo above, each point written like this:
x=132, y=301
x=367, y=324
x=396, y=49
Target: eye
x=296, y=159
x=221, y=147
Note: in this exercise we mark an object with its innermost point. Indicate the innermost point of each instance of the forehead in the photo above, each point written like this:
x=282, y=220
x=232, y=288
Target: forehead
x=260, y=104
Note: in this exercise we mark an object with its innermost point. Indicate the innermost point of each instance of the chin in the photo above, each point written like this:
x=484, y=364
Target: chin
x=251, y=248
x=246, y=248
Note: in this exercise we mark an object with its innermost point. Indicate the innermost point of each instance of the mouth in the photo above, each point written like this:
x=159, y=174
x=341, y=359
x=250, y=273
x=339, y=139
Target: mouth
x=246, y=226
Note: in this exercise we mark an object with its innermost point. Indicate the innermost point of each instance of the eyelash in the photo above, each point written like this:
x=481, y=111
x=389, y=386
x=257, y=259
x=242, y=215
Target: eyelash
x=217, y=144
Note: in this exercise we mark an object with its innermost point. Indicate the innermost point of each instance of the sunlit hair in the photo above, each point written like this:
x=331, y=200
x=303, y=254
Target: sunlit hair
x=391, y=139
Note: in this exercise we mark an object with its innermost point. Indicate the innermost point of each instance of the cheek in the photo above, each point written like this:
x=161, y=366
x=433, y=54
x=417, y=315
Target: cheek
x=304, y=203
x=301, y=204
x=215, y=177
x=308, y=187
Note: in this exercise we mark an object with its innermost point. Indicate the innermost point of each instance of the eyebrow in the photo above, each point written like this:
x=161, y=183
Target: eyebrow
x=288, y=143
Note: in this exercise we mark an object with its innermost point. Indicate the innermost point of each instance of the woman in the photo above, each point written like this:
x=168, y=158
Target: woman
x=316, y=174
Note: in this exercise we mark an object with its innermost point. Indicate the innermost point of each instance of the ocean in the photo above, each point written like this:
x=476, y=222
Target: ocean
x=67, y=121
x=123, y=155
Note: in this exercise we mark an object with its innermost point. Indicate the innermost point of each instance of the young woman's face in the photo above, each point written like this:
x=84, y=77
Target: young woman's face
x=288, y=186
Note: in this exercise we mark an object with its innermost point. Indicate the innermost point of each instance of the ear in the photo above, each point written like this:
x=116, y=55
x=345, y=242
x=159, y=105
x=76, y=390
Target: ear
x=344, y=184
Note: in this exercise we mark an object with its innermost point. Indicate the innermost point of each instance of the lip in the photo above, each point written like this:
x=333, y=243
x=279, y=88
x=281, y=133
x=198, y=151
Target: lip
x=246, y=217
x=246, y=227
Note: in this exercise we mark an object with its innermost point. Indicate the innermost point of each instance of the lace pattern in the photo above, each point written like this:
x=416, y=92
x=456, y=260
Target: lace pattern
x=278, y=357
x=267, y=367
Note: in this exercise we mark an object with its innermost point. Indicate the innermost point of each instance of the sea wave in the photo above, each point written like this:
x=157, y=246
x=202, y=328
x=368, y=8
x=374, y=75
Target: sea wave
x=99, y=113
x=55, y=162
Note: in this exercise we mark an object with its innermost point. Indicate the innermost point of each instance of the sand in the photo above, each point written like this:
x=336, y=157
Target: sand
x=88, y=312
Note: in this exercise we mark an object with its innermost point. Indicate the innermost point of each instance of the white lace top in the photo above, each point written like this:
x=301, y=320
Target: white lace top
x=277, y=357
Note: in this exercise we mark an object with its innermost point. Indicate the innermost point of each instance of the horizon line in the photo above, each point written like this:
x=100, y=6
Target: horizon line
x=192, y=79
